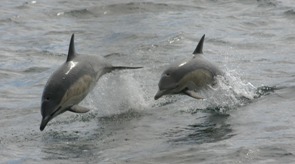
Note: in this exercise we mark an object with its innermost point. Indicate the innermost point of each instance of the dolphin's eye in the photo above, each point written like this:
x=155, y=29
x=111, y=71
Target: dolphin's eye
x=47, y=98
x=167, y=74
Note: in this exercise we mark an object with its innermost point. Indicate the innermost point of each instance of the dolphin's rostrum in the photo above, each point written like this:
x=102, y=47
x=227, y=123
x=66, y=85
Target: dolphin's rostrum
x=71, y=82
x=188, y=76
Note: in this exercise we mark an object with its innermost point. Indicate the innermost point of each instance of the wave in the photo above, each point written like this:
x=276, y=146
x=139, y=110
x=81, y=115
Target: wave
x=290, y=13
x=267, y=3
x=79, y=13
x=126, y=8
x=147, y=7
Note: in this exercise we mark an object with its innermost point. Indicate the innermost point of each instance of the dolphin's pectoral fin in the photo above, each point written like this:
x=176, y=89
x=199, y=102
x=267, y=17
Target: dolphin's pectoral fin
x=192, y=94
x=78, y=109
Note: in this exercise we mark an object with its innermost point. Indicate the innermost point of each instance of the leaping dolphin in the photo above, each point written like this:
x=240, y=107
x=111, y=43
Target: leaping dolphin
x=189, y=76
x=71, y=82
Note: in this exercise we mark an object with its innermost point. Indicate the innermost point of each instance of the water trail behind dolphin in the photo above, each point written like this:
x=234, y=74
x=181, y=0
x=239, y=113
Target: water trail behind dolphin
x=231, y=92
x=116, y=94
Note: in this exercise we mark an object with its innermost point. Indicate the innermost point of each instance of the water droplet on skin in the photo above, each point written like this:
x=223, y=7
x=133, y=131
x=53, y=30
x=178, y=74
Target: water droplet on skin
x=60, y=13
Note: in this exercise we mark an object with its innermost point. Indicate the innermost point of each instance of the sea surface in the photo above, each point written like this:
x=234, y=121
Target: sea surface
x=248, y=118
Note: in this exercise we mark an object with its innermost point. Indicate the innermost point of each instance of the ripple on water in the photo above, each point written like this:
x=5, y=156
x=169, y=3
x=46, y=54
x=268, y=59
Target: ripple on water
x=290, y=13
x=268, y=3
x=213, y=128
x=125, y=8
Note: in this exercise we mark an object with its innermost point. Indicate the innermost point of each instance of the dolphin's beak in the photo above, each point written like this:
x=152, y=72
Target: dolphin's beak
x=44, y=122
x=47, y=118
x=159, y=94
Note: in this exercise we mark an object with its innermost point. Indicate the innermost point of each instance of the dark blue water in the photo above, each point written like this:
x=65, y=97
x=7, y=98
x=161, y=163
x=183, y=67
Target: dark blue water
x=249, y=118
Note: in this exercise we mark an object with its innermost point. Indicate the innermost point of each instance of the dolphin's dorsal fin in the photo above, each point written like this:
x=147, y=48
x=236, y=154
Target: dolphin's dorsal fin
x=199, y=48
x=72, y=52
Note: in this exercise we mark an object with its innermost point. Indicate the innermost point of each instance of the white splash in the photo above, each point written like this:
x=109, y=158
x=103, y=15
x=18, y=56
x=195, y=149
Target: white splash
x=230, y=92
x=116, y=93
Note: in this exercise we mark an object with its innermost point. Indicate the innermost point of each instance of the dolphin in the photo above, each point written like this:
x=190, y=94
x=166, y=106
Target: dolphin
x=188, y=76
x=71, y=83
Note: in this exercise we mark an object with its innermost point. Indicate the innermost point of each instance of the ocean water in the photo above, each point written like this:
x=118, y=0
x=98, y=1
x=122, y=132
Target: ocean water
x=248, y=118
